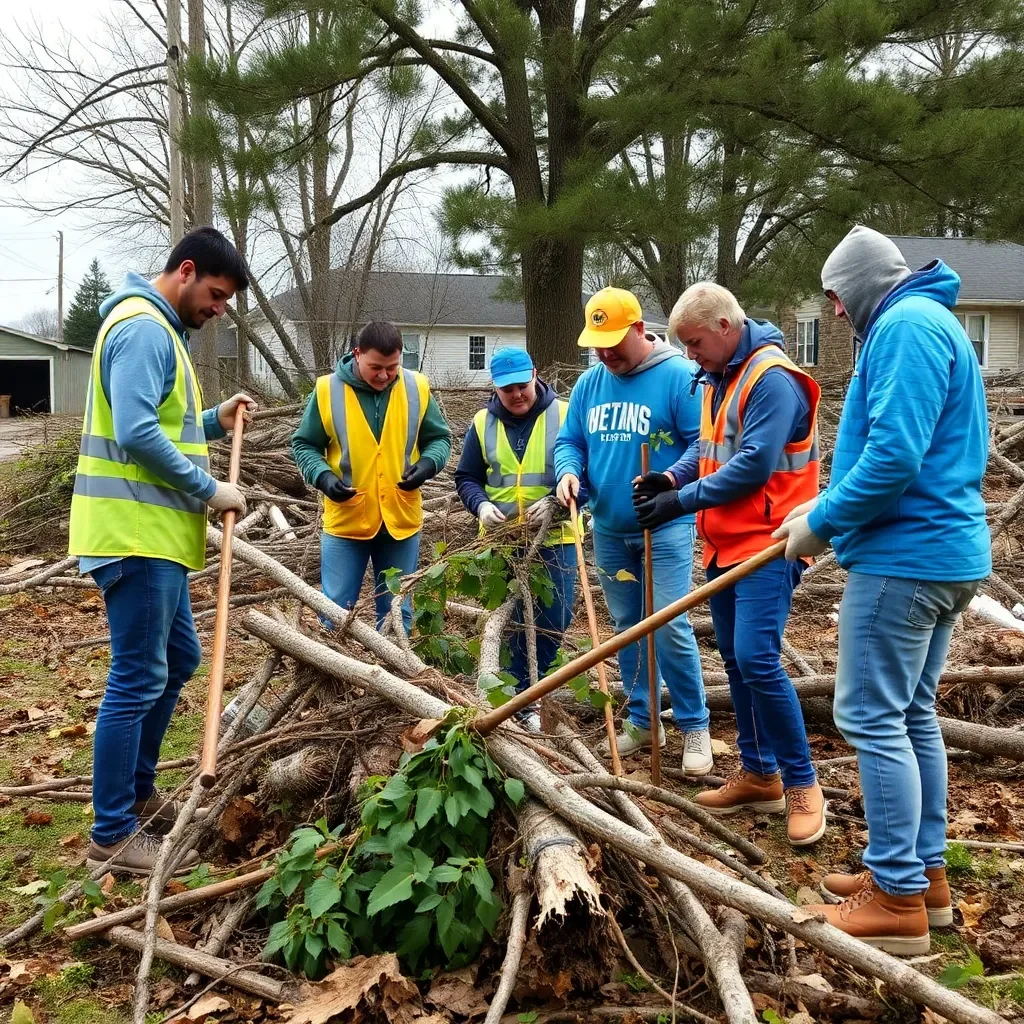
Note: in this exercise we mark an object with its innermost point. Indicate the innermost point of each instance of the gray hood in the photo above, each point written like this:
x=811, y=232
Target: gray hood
x=662, y=350
x=860, y=271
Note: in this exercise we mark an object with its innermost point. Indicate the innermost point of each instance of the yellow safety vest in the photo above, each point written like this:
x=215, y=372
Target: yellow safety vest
x=373, y=468
x=514, y=486
x=118, y=507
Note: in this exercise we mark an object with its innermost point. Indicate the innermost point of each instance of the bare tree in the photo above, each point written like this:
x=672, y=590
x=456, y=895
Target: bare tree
x=40, y=321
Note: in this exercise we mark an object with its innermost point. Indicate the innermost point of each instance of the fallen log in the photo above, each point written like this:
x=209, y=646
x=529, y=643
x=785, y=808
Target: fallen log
x=824, y=1003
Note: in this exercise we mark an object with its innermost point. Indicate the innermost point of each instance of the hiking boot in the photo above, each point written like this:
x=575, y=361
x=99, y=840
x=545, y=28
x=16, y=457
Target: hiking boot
x=897, y=924
x=805, y=814
x=937, y=901
x=162, y=810
x=744, y=789
x=697, y=759
x=136, y=855
x=630, y=740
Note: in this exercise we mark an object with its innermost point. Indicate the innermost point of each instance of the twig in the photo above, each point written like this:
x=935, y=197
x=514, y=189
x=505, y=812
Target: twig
x=233, y=917
x=513, y=954
x=613, y=927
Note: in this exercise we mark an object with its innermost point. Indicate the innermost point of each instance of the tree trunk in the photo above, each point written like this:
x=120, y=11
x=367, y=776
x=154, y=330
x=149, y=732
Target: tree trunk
x=553, y=291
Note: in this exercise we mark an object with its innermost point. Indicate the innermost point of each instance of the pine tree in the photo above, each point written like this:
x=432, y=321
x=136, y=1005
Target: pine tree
x=83, y=321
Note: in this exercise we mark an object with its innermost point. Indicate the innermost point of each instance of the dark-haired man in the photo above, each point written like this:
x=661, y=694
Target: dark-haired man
x=138, y=523
x=371, y=436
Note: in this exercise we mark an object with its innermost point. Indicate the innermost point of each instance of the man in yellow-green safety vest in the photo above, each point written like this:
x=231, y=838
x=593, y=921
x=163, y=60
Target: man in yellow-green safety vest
x=507, y=472
x=138, y=525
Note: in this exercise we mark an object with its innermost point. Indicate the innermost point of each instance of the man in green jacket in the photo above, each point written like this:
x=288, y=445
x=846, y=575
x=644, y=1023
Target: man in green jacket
x=371, y=436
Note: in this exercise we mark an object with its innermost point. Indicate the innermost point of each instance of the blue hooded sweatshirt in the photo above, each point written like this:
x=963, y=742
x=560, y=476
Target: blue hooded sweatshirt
x=610, y=417
x=777, y=412
x=904, y=497
x=137, y=369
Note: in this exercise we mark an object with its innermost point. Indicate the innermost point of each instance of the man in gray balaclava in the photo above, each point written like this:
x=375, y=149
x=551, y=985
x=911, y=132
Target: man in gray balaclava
x=905, y=516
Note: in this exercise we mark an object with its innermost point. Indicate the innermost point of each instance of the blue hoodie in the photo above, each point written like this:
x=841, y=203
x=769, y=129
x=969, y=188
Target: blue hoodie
x=777, y=412
x=904, y=497
x=137, y=369
x=609, y=418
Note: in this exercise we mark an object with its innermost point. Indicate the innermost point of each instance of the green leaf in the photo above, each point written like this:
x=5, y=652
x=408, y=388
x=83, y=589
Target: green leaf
x=268, y=890
x=429, y=903
x=304, y=840
x=487, y=914
x=483, y=883
x=423, y=865
x=452, y=810
x=625, y=576
x=290, y=881
x=956, y=975
x=280, y=936
x=445, y=873
x=415, y=936
x=33, y=887
x=428, y=803
x=52, y=916
x=400, y=835
x=396, y=789
x=21, y=1014
x=395, y=886
x=314, y=945
x=321, y=896
x=527, y=1018
x=515, y=790
x=338, y=940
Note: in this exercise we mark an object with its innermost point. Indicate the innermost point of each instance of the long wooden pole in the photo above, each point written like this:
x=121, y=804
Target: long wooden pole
x=492, y=719
x=595, y=638
x=215, y=689
x=653, y=690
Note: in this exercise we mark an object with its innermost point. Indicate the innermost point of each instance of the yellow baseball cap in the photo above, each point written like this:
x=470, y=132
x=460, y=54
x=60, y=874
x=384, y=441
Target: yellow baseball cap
x=610, y=313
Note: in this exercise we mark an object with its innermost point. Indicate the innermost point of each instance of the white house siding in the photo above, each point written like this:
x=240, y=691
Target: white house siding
x=444, y=352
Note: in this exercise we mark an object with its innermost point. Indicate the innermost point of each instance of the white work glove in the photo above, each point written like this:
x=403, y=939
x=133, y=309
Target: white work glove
x=226, y=410
x=801, y=540
x=803, y=509
x=545, y=506
x=490, y=515
x=568, y=487
x=227, y=497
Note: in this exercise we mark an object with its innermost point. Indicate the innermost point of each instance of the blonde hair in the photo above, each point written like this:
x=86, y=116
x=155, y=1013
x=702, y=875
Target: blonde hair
x=704, y=304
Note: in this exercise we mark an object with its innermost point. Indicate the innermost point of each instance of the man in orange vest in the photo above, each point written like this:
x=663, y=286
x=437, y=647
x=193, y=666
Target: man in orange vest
x=371, y=436
x=756, y=459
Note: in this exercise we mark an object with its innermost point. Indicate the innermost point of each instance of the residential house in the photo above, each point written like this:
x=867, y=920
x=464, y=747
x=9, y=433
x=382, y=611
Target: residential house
x=990, y=306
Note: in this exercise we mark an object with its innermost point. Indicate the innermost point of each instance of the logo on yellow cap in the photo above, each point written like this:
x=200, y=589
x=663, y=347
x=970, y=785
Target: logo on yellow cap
x=598, y=317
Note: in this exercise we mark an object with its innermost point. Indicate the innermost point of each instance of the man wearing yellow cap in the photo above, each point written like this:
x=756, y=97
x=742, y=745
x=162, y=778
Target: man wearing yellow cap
x=614, y=408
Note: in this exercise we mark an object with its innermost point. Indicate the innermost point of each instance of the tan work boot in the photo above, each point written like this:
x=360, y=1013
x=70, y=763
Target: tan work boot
x=897, y=924
x=162, y=810
x=805, y=814
x=937, y=900
x=744, y=789
x=136, y=855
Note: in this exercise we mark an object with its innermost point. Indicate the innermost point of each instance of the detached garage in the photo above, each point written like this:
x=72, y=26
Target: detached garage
x=40, y=375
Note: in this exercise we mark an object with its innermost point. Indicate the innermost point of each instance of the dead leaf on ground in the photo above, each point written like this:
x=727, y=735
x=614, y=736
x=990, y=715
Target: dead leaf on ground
x=813, y=981
x=39, y=818
x=34, y=714
x=929, y=1016
x=240, y=821
x=86, y=694
x=19, y=567
x=163, y=992
x=801, y=916
x=720, y=748
x=20, y=973
x=73, y=840
x=205, y=1005
x=1011, y=920
x=974, y=908
x=108, y=883
x=78, y=729
x=376, y=980
x=806, y=896
x=456, y=992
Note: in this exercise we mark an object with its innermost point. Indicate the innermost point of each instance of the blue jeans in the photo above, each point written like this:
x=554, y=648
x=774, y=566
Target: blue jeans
x=894, y=634
x=343, y=565
x=153, y=652
x=551, y=622
x=749, y=618
x=675, y=646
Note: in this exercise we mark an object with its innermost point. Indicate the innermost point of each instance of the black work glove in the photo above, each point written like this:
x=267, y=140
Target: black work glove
x=333, y=487
x=651, y=484
x=416, y=476
x=662, y=508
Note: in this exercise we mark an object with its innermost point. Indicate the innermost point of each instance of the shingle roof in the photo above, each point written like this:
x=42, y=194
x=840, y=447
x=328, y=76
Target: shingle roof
x=987, y=270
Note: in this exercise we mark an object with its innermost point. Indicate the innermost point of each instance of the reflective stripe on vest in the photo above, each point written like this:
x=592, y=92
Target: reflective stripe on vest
x=118, y=507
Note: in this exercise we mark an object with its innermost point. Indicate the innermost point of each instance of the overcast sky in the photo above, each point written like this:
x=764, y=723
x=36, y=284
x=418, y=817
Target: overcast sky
x=28, y=243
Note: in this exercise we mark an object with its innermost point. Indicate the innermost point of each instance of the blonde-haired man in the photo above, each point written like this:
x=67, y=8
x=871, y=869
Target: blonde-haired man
x=756, y=459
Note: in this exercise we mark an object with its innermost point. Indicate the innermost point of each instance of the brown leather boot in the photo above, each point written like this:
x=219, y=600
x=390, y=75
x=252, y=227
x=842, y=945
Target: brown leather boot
x=937, y=900
x=805, y=814
x=744, y=789
x=897, y=924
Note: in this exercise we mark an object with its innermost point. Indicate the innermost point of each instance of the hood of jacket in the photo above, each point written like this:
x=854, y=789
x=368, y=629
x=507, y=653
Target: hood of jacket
x=756, y=334
x=136, y=285
x=545, y=396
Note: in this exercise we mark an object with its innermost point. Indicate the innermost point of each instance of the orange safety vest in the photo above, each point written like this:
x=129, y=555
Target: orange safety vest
x=740, y=529
x=373, y=467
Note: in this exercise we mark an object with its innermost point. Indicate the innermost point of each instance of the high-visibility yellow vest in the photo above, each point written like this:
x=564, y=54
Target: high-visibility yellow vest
x=514, y=486
x=373, y=467
x=118, y=507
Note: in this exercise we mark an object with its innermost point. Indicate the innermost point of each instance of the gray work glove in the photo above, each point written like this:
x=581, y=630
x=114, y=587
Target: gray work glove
x=227, y=497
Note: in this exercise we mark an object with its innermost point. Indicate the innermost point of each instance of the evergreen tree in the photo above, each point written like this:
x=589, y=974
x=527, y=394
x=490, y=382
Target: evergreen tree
x=83, y=321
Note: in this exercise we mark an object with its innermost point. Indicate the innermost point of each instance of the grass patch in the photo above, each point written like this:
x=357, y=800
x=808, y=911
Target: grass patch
x=949, y=942
x=959, y=861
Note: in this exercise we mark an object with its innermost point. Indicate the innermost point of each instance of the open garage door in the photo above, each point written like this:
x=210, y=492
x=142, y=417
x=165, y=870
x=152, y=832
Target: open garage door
x=27, y=381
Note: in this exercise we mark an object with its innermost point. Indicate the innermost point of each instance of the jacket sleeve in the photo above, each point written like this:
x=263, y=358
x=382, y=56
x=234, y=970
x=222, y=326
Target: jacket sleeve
x=687, y=469
x=211, y=425
x=906, y=382
x=309, y=442
x=435, y=437
x=776, y=412
x=571, y=443
x=137, y=360
x=471, y=473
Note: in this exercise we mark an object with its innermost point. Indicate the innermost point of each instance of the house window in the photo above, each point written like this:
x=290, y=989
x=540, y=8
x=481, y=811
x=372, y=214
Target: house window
x=976, y=327
x=584, y=354
x=807, y=342
x=477, y=350
x=411, y=351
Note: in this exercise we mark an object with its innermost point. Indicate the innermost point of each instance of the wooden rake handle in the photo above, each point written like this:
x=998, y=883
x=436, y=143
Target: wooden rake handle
x=653, y=691
x=215, y=688
x=595, y=637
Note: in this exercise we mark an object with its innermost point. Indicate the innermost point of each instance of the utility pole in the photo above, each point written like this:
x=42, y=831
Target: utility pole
x=60, y=286
x=174, y=119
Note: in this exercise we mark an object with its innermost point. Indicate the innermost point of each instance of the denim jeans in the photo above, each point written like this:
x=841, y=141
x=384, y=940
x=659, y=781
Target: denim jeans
x=551, y=622
x=675, y=646
x=894, y=634
x=749, y=619
x=343, y=565
x=153, y=652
